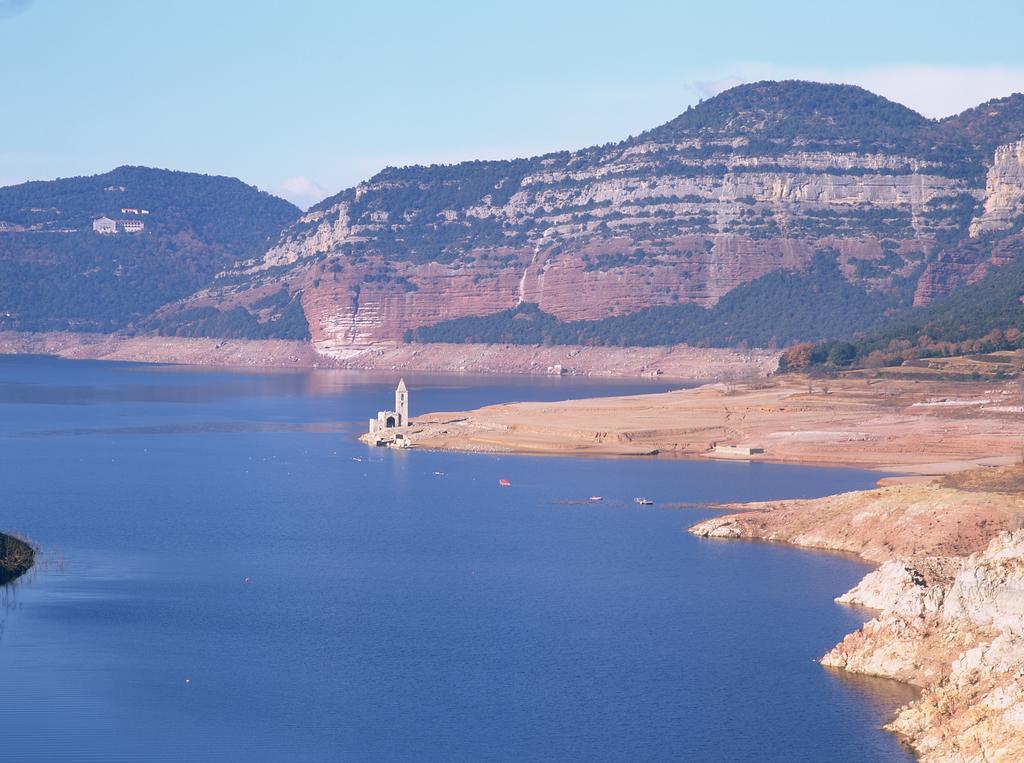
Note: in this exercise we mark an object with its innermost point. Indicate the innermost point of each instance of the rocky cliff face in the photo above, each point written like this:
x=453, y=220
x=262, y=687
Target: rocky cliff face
x=956, y=628
x=1004, y=191
x=967, y=261
x=758, y=179
x=950, y=599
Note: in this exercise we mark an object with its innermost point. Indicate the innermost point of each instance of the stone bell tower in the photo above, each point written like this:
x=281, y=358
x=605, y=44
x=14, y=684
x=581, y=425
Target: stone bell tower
x=402, y=403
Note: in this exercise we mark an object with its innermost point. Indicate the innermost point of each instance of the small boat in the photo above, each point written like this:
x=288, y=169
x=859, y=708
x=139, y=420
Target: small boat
x=504, y=483
x=596, y=498
x=643, y=501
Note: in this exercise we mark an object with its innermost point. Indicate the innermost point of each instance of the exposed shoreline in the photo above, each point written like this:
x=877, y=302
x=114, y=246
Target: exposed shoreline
x=910, y=427
x=685, y=363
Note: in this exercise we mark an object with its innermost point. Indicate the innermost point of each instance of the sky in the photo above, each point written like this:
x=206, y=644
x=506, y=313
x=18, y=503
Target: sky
x=304, y=98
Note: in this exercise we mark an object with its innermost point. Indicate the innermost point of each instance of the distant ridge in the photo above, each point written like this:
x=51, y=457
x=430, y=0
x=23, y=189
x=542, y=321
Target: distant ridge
x=56, y=273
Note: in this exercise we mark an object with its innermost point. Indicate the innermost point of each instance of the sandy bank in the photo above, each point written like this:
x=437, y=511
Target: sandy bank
x=670, y=362
x=891, y=425
x=949, y=593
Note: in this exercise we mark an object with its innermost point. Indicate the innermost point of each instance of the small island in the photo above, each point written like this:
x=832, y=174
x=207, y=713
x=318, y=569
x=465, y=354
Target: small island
x=16, y=558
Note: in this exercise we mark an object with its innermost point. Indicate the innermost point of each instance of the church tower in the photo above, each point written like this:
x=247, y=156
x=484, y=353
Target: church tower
x=402, y=404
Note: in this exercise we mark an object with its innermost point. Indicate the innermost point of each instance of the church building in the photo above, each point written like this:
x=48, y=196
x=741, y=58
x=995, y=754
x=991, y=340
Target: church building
x=395, y=419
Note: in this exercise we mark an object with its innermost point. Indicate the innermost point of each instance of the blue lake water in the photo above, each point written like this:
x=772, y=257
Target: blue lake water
x=222, y=580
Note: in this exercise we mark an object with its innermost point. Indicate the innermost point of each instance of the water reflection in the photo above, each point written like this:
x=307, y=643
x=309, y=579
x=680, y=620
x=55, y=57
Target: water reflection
x=882, y=697
x=39, y=380
x=886, y=694
x=198, y=428
x=179, y=388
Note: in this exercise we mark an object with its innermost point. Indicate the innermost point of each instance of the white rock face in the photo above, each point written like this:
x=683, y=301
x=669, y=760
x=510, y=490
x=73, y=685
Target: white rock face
x=633, y=191
x=909, y=588
x=1004, y=191
x=989, y=588
x=956, y=628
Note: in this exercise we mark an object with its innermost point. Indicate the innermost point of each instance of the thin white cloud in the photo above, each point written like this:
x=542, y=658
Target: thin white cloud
x=935, y=91
x=303, y=191
x=708, y=88
x=939, y=91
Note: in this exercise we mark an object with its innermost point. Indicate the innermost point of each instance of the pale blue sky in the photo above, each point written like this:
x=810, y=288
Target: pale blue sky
x=305, y=98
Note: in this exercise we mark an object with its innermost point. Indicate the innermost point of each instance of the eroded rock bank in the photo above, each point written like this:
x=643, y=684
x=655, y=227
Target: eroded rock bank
x=949, y=593
x=16, y=558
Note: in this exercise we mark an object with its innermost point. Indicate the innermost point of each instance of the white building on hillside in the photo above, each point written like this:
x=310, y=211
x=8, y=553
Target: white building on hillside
x=104, y=226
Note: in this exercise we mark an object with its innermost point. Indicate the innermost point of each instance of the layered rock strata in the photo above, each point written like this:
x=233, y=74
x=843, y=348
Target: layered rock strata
x=1004, y=191
x=762, y=178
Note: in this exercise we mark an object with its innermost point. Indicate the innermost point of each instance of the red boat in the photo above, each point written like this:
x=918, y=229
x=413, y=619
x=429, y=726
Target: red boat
x=504, y=483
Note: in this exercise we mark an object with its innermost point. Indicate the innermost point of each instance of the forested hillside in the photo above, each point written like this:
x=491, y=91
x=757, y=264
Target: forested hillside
x=57, y=273
x=986, y=316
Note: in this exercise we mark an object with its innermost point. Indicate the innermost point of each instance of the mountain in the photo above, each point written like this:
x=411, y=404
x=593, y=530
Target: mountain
x=798, y=192
x=774, y=213
x=176, y=231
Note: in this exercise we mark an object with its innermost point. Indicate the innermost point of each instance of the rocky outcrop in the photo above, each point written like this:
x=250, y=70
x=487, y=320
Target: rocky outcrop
x=965, y=263
x=960, y=636
x=1004, y=191
x=758, y=179
x=902, y=642
x=16, y=558
x=968, y=260
x=948, y=623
